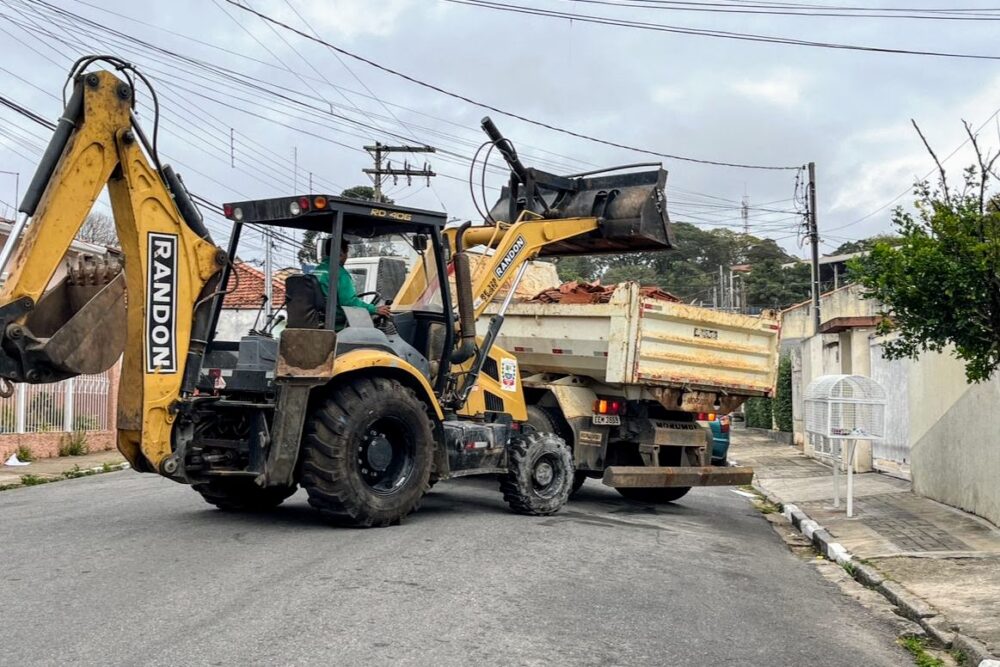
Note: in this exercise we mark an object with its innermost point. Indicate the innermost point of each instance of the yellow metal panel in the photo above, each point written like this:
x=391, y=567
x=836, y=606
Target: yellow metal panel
x=142, y=206
x=357, y=360
x=83, y=170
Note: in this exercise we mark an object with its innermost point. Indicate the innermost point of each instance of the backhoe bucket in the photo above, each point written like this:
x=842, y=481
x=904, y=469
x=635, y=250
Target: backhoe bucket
x=632, y=208
x=77, y=328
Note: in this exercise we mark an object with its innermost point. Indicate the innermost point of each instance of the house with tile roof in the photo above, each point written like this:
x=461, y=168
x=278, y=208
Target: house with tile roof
x=241, y=307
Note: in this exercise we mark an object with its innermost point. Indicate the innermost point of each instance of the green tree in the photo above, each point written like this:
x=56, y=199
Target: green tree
x=781, y=406
x=940, y=285
x=771, y=285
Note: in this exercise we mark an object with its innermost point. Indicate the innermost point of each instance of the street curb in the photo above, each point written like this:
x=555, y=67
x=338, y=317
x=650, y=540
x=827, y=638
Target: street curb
x=70, y=474
x=908, y=605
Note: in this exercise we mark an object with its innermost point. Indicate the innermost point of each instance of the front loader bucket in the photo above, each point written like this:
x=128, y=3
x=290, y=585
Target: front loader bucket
x=632, y=208
x=77, y=328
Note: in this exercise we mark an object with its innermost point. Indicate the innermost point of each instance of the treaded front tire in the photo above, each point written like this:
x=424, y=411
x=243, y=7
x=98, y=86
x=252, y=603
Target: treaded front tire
x=539, y=474
x=367, y=453
x=543, y=421
x=654, y=494
x=241, y=494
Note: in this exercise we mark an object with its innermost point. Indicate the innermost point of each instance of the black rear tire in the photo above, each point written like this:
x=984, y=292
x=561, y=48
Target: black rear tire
x=367, y=453
x=543, y=421
x=241, y=494
x=539, y=474
x=655, y=495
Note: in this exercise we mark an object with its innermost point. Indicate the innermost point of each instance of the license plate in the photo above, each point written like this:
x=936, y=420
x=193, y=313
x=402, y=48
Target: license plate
x=607, y=420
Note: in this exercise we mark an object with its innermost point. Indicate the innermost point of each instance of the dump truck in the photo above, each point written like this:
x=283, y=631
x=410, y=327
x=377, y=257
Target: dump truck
x=623, y=383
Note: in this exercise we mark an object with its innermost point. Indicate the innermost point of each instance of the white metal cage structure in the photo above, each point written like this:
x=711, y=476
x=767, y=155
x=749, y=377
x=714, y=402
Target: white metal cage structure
x=845, y=407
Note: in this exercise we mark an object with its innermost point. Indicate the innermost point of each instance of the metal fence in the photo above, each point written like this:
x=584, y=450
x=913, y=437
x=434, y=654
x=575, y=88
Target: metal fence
x=77, y=404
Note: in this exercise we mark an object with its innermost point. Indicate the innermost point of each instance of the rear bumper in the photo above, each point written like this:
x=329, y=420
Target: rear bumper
x=646, y=477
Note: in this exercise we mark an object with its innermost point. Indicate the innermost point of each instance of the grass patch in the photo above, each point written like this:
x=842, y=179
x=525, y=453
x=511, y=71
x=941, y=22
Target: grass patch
x=75, y=472
x=917, y=647
x=32, y=480
x=74, y=444
x=24, y=454
x=959, y=657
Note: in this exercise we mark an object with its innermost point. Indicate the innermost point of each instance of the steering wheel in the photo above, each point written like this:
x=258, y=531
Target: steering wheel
x=375, y=297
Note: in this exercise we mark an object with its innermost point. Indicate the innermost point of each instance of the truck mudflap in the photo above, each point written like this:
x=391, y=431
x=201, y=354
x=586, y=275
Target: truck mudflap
x=666, y=476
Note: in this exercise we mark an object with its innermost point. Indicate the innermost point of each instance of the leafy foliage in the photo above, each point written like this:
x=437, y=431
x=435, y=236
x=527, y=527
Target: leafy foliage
x=782, y=403
x=758, y=412
x=940, y=285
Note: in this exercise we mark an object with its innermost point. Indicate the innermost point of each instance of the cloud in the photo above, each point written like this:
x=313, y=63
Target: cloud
x=666, y=95
x=782, y=87
x=349, y=18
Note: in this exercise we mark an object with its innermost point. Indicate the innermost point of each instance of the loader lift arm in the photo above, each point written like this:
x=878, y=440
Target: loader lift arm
x=171, y=272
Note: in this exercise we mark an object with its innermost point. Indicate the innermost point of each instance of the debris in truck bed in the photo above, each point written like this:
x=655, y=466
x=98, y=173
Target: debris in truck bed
x=583, y=292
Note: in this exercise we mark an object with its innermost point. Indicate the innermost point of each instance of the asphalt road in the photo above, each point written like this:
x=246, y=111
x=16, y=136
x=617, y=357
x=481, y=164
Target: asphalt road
x=128, y=569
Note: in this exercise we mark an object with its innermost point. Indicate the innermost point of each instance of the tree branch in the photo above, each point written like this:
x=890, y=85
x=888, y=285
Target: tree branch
x=944, y=178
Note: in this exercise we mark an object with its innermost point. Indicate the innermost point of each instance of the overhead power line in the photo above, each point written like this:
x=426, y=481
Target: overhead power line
x=495, y=109
x=702, y=32
x=808, y=11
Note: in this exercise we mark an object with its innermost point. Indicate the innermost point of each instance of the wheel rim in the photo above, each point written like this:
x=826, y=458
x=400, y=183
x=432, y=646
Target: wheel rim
x=547, y=476
x=386, y=456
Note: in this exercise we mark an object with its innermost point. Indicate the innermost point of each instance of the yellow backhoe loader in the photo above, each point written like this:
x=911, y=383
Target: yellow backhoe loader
x=363, y=415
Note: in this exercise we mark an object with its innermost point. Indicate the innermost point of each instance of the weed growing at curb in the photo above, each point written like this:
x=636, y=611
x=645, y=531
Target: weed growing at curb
x=917, y=647
x=32, y=480
x=24, y=454
x=849, y=568
x=959, y=657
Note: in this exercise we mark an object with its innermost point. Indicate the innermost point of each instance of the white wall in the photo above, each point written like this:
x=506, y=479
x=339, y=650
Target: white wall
x=234, y=323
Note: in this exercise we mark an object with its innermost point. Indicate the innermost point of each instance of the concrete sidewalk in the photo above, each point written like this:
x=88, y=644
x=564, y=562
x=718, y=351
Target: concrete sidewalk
x=945, y=557
x=60, y=467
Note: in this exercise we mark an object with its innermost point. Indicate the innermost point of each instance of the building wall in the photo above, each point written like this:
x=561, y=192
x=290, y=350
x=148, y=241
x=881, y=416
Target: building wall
x=939, y=429
x=234, y=323
x=955, y=457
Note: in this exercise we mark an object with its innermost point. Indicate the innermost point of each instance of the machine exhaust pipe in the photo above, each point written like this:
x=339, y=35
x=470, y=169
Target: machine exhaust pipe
x=466, y=310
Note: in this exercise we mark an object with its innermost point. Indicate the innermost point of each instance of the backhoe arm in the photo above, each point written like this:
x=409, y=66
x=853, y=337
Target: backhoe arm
x=82, y=325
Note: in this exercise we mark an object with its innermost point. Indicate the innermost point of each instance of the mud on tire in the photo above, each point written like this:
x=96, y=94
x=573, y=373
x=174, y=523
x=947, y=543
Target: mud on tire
x=543, y=421
x=241, y=494
x=367, y=453
x=539, y=474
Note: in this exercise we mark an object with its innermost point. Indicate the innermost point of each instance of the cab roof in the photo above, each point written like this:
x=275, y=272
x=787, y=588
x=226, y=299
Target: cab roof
x=318, y=212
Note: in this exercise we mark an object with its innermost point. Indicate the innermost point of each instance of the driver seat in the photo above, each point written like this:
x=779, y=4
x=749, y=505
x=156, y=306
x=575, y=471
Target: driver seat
x=305, y=302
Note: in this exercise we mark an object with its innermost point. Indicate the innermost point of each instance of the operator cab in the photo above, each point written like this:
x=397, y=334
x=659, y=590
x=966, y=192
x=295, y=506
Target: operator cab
x=420, y=329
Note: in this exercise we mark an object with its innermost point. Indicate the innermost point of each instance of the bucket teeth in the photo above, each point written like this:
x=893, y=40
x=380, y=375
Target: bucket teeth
x=88, y=270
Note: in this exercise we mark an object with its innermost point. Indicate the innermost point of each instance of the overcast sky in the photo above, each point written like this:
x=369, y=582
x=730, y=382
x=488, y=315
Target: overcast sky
x=714, y=99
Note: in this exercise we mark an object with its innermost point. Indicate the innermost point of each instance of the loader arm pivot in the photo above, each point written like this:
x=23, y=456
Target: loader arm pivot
x=81, y=325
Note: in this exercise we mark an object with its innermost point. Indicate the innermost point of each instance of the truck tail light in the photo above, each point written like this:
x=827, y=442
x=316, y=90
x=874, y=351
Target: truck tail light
x=605, y=407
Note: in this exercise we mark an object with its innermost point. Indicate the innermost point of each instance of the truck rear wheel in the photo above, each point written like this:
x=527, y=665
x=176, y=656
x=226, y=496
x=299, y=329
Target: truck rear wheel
x=241, y=494
x=539, y=474
x=543, y=421
x=367, y=453
x=654, y=495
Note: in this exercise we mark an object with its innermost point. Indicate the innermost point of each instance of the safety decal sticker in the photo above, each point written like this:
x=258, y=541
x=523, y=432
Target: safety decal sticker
x=508, y=374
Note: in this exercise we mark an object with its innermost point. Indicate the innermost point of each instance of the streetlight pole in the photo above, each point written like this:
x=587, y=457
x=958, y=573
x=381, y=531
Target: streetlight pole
x=17, y=187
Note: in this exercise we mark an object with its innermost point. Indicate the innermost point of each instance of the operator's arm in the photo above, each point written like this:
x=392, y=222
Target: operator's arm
x=347, y=297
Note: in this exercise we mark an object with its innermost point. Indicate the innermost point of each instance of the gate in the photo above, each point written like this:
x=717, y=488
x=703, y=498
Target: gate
x=892, y=454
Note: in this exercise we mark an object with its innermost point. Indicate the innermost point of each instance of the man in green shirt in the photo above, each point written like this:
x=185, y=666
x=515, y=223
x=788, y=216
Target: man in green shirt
x=346, y=294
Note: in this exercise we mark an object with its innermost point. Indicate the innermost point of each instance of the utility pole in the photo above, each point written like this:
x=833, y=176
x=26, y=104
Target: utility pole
x=813, y=234
x=268, y=271
x=381, y=151
x=745, y=214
